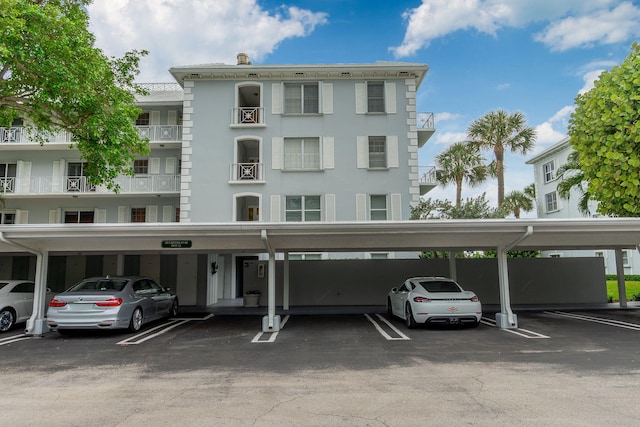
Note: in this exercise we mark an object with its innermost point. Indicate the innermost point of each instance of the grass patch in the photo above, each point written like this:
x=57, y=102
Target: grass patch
x=633, y=288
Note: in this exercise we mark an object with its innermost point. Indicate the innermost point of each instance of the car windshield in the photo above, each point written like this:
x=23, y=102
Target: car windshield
x=105, y=285
x=440, y=286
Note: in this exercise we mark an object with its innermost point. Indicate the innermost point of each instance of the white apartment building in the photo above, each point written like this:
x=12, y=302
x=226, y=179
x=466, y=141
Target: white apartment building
x=232, y=143
x=551, y=205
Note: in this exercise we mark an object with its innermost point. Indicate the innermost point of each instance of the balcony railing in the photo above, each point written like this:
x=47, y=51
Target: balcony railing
x=247, y=172
x=7, y=185
x=427, y=175
x=247, y=116
x=142, y=184
x=161, y=133
x=425, y=121
x=155, y=133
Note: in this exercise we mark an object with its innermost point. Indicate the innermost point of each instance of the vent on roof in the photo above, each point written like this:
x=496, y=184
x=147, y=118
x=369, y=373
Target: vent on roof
x=403, y=73
x=255, y=75
x=193, y=76
x=299, y=74
x=345, y=74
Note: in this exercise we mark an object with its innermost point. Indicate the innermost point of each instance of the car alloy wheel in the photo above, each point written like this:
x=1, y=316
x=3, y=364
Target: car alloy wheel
x=136, y=320
x=7, y=320
x=408, y=317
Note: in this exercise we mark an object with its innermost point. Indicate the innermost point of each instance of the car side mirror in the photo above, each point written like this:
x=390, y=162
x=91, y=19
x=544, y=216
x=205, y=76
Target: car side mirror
x=394, y=290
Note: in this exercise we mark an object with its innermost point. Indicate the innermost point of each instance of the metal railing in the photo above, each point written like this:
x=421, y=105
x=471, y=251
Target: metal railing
x=78, y=184
x=161, y=87
x=155, y=133
x=427, y=175
x=7, y=185
x=247, y=172
x=161, y=133
x=425, y=121
x=247, y=116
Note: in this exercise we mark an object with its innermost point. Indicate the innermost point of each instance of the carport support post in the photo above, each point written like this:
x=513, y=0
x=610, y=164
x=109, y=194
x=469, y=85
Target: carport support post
x=270, y=322
x=453, y=272
x=285, y=285
x=506, y=319
x=622, y=286
x=37, y=324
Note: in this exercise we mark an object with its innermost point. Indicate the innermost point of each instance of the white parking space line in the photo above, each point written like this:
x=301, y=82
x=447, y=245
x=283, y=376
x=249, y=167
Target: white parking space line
x=601, y=320
x=400, y=335
x=147, y=335
x=13, y=338
x=273, y=335
x=207, y=317
x=517, y=331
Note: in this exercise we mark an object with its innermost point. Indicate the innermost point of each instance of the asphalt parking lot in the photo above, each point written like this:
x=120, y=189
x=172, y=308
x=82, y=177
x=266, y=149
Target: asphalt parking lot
x=558, y=368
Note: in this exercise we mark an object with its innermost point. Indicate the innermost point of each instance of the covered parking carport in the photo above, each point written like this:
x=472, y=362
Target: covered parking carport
x=500, y=235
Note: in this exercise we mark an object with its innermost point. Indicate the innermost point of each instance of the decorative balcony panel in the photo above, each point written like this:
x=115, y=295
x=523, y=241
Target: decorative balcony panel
x=247, y=172
x=7, y=185
x=19, y=134
x=247, y=116
x=161, y=133
x=156, y=184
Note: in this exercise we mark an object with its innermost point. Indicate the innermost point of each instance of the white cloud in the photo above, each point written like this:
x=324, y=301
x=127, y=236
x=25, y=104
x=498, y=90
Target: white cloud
x=444, y=116
x=437, y=18
x=448, y=138
x=589, y=79
x=503, y=86
x=185, y=32
x=601, y=27
x=553, y=130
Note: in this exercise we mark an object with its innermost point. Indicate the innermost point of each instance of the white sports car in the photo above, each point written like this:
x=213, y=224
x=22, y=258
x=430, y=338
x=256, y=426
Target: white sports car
x=434, y=300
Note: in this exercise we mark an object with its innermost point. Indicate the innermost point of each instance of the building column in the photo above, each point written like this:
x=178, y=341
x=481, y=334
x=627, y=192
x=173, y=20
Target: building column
x=270, y=322
x=37, y=323
x=285, y=285
x=506, y=319
x=622, y=286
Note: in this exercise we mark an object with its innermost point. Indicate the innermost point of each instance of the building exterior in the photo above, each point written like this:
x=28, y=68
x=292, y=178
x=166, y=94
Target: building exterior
x=551, y=205
x=232, y=143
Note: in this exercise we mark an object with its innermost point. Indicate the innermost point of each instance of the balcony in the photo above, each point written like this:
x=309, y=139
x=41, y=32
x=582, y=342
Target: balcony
x=247, y=117
x=247, y=173
x=77, y=185
x=427, y=179
x=426, y=127
x=155, y=133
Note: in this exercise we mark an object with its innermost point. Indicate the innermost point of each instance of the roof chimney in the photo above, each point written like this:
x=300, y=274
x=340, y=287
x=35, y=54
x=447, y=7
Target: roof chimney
x=243, y=59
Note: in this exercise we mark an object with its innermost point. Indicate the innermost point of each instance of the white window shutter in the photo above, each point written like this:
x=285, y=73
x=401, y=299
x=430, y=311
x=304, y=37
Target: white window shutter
x=100, y=216
x=361, y=207
x=58, y=176
x=23, y=172
x=151, y=214
x=327, y=98
x=55, y=216
x=155, y=118
x=154, y=165
x=170, y=165
x=330, y=207
x=172, y=117
x=392, y=151
x=396, y=207
x=327, y=152
x=276, y=98
x=22, y=216
x=390, y=98
x=361, y=98
x=276, y=152
x=362, y=152
x=122, y=214
x=275, y=209
x=167, y=214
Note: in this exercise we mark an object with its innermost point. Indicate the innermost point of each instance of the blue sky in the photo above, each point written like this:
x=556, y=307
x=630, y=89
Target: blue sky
x=532, y=56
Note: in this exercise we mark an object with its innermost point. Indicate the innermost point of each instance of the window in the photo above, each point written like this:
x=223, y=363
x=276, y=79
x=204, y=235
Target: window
x=141, y=166
x=301, y=153
x=601, y=254
x=379, y=255
x=377, y=152
x=78, y=217
x=302, y=208
x=551, y=201
x=138, y=215
x=7, y=218
x=301, y=98
x=375, y=97
x=23, y=288
x=378, y=209
x=7, y=177
x=625, y=259
x=143, y=119
x=76, y=180
x=549, y=170
x=305, y=257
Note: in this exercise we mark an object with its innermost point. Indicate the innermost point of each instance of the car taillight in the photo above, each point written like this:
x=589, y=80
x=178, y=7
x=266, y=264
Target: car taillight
x=474, y=299
x=422, y=299
x=57, y=303
x=111, y=302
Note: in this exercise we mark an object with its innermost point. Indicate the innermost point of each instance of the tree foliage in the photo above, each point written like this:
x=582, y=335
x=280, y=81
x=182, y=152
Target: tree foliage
x=517, y=202
x=471, y=208
x=53, y=77
x=461, y=162
x=500, y=131
x=572, y=178
x=605, y=130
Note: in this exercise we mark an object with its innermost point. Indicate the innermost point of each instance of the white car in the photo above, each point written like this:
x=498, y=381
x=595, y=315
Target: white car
x=16, y=302
x=434, y=300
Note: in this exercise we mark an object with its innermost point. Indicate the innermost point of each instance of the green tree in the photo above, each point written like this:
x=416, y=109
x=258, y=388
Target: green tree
x=471, y=208
x=53, y=76
x=518, y=201
x=458, y=163
x=500, y=131
x=605, y=130
x=572, y=177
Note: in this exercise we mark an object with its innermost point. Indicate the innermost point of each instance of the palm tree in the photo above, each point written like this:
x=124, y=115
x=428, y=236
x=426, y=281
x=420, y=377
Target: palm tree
x=518, y=201
x=461, y=162
x=571, y=176
x=500, y=131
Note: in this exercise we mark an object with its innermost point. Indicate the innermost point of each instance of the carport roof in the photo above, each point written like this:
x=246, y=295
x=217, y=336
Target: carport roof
x=541, y=234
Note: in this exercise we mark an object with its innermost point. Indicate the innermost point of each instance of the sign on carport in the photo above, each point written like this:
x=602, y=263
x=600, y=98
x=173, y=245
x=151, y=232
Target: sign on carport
x=176, y=244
